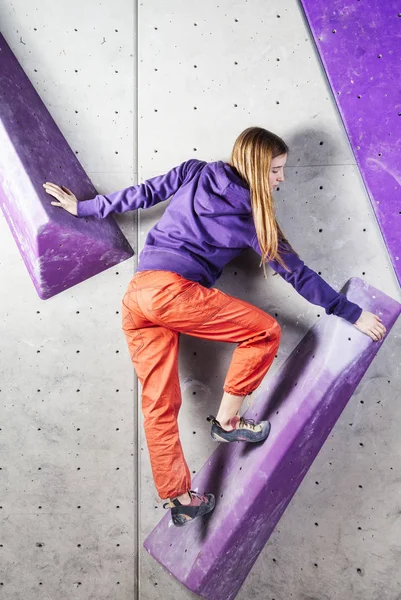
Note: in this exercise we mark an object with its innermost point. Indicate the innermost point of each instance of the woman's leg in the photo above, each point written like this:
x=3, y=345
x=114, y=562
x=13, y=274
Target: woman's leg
x=154, y=354
x=157, y=306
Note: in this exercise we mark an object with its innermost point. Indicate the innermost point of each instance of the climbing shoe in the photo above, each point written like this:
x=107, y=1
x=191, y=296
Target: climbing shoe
x=244, y=430
x=200, y=505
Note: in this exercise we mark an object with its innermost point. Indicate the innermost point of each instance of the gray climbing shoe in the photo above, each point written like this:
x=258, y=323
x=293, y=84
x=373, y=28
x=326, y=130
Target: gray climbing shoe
x=244, y=430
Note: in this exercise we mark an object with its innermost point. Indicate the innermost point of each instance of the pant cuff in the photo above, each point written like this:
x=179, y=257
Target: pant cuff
x=174, y=494
x=235, y=392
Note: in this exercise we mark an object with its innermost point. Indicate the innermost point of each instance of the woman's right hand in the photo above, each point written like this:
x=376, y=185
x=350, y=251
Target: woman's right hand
x=66, y=199
x=372, y=325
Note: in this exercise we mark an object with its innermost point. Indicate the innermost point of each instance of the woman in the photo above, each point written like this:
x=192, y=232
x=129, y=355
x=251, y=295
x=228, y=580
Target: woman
x=217, y=210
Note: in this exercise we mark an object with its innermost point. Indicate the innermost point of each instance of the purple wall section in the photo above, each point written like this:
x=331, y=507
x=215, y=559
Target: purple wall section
x=253, y=484
x=59, y=250
x=359, y=44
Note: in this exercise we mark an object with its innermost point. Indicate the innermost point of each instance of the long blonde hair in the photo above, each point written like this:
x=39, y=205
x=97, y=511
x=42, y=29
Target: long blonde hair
x=251, y=158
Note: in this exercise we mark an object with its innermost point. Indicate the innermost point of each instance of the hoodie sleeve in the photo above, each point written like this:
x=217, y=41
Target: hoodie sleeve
x=144, y=195
x=310, y=285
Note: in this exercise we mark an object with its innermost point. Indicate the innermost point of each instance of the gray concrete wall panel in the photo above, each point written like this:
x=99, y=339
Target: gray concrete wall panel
x=67, y=399
x=207, y=72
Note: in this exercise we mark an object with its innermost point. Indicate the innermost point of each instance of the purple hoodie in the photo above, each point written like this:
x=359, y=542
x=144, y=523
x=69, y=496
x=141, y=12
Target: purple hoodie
x=207, y=223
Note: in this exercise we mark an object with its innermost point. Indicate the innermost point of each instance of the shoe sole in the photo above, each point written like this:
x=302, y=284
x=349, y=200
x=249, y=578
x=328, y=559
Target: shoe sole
x=239, y=438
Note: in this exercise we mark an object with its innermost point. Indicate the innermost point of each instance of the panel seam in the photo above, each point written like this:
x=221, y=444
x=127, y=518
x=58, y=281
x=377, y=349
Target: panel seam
x=137, y=503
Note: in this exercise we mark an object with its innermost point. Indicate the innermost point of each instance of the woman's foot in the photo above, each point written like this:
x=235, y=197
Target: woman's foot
x=198, y=505
x=238, y=429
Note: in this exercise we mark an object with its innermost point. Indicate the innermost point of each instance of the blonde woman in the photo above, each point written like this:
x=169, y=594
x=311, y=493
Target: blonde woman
x=217, y=209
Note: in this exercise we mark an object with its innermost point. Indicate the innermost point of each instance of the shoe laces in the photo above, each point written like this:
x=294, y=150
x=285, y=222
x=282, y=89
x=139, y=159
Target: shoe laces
x=192, y=493
x=247, y=424
x=200, y=496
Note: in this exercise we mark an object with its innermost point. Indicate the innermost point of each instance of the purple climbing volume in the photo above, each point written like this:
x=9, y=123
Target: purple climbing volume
x=359, y=45
x=254, y=483
x=59, y=250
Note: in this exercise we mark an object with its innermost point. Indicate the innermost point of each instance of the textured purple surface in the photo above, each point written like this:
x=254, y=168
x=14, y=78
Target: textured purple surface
x=254, y=484
x=359, y=44
x=59, y=250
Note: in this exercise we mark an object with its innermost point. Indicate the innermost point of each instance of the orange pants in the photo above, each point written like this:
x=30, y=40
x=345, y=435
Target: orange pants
x=157, y=307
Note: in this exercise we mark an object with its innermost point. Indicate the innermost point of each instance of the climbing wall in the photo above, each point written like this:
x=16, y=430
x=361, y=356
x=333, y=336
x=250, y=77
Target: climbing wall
x=76, y=493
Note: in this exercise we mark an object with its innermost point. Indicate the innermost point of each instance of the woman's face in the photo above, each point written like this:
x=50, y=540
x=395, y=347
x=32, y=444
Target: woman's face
x=276, y=175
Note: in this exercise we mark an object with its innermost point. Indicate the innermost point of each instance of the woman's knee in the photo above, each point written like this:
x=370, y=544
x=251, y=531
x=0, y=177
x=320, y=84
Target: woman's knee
x=272, y=332
x=275, y=330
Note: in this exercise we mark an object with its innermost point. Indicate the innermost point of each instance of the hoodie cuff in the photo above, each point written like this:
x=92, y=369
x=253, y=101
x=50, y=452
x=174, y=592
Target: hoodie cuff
x=351, y=312
x=88, y=208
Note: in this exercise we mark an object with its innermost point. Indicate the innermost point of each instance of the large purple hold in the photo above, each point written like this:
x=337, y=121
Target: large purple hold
x=359, y=45
x=59, y=250
x=253, y=484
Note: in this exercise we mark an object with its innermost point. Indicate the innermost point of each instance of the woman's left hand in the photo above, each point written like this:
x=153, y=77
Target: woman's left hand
x=372, y=325
x=66, y=199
